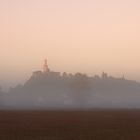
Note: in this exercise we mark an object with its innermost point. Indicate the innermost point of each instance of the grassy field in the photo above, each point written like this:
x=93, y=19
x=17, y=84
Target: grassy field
x=70, y=125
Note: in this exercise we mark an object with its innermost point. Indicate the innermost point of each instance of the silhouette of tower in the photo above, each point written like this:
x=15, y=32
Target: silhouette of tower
x=45, y=67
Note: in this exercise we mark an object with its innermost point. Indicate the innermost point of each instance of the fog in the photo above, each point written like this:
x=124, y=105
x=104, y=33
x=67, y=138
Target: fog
x=77, y=37
x=49, y=90
x=86, y=36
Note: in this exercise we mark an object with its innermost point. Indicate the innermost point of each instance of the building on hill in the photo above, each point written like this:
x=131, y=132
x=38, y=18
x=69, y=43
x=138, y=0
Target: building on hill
x=44, y=75
x=54, y=74
x=104, y=75
x=46, y=71
x=45, y=67
x=37, y=73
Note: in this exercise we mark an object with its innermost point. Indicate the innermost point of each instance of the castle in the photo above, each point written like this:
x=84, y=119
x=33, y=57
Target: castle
x=49, y=89
x=46, y=71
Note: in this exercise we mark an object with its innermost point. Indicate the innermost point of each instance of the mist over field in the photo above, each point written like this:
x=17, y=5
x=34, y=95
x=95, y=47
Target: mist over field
x=69, y=70
x=49, y=90
x=85, y=39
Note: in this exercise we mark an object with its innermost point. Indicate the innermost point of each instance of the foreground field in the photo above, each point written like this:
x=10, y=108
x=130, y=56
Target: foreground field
x=70, y=125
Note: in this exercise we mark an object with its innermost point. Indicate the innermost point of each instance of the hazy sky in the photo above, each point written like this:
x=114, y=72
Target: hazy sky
x=90, y=36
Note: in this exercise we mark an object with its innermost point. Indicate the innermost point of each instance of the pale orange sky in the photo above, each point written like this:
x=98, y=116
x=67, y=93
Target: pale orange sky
x=89, y=36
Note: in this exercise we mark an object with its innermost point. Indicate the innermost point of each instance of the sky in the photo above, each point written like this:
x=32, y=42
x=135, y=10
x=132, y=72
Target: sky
x=89, y=36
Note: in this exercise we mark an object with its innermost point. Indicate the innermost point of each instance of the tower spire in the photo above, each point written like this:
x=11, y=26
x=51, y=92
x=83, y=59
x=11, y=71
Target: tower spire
x=45, y=66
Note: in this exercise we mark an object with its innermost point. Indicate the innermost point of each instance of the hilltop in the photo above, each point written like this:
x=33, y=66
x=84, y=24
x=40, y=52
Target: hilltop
x=48, y=89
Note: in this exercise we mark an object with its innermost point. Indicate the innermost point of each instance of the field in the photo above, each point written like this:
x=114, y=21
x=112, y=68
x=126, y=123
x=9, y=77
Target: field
x=70, y=125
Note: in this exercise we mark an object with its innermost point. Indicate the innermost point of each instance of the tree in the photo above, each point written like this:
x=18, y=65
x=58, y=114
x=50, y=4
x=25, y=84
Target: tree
x=81, y=89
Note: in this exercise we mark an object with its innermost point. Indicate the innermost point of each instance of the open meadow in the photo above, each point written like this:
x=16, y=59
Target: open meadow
x=70, y=125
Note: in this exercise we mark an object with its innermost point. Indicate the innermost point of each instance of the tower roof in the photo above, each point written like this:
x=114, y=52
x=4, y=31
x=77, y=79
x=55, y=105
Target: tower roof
x=45, y=66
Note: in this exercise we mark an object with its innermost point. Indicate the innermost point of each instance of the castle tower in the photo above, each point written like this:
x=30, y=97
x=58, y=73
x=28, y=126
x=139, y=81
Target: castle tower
x=45, y=66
